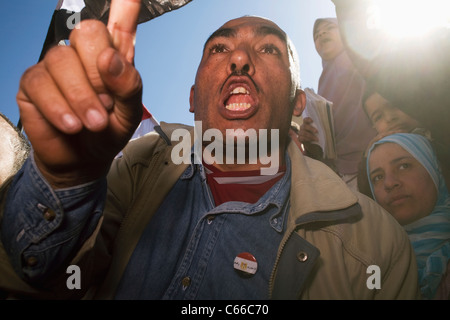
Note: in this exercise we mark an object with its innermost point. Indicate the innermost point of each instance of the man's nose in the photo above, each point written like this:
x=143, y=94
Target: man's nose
x=241, y=62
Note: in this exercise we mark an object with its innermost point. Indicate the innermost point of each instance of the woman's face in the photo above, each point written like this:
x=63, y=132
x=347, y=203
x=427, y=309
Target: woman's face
x=401, y=185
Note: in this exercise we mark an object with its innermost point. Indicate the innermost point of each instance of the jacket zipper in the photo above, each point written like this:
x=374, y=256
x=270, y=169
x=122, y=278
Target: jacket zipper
x=272, y=275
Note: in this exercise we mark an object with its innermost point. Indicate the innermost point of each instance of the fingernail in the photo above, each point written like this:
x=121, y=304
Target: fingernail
x=115, y=65
x=106, y=100
x=95, y=119
x=70, y=122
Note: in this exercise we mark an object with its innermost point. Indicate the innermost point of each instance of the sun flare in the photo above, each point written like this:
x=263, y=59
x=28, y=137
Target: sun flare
x=406, y=18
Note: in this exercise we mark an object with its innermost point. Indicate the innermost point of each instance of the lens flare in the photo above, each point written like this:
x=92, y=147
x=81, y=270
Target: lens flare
x=408, y=18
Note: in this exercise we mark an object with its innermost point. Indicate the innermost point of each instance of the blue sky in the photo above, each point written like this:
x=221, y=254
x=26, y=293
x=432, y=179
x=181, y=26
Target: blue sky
x=168, y=48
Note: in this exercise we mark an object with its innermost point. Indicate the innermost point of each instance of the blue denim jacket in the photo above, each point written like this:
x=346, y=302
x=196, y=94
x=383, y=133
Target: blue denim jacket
x=42, y=227
x=186, y=252
x=188, y=249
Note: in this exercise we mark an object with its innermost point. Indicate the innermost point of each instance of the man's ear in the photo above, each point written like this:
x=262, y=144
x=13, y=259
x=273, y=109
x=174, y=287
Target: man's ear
x=299, y=103
x=191, y=99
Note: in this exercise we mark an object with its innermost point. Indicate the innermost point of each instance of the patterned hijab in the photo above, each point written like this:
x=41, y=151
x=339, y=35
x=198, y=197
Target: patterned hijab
x=430, y=235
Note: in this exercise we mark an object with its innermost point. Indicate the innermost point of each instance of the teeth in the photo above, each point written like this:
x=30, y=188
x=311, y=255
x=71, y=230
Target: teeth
x=238, y=106
x=239, y=90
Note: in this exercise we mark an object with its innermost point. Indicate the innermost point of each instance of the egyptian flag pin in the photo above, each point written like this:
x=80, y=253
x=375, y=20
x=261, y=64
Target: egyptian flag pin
x=245, y=264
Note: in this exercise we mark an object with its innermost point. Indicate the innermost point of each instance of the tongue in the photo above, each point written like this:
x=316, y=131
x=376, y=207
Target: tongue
x=239, y=98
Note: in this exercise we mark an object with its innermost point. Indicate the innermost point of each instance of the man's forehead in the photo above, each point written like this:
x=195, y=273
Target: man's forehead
x=246, y=20
x=260, y=26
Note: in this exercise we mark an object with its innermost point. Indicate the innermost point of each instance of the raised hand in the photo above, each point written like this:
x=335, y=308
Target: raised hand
x=81, y=104
x=308, y=132
x=122, y=23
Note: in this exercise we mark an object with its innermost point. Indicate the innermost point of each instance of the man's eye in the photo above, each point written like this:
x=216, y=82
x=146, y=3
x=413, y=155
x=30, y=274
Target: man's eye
x=218, y=48
x=270, y=49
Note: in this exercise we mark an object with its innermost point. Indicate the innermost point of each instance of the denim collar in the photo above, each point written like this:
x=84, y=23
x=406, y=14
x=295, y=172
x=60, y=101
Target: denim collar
x=277, y=197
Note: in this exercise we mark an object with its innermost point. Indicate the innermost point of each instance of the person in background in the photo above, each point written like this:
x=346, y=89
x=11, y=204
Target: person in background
x=342, y=84
x=14, y=149
x=405, y=179
x=145, y=226
x=411, y=72
x=388, y=119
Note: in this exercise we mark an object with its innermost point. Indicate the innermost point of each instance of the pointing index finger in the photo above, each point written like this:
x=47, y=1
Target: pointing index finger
x=122, y=24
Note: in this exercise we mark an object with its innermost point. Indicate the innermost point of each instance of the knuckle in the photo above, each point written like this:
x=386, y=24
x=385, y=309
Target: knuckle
x=96, y=80
x=135, y=90
x=129, y=84
x=80, y=96
x=33, y=76
x=88, y=26
x=56, y=54
x=136, y=83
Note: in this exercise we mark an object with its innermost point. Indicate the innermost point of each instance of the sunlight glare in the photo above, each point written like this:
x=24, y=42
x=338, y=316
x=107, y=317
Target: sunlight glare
x=406, y=18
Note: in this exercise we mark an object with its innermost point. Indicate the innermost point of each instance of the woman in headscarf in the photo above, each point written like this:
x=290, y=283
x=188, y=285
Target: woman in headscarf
x=405, y=178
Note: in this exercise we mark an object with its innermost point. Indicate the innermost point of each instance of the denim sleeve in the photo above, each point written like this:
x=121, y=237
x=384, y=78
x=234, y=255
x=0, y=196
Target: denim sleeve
x=42, y=228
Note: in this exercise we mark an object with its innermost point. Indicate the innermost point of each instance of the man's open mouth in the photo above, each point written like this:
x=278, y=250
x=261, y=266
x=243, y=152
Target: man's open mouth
x=239, y=99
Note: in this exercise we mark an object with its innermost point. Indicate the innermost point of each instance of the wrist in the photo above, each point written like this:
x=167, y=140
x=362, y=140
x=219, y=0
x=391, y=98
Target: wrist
x=66, y=177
